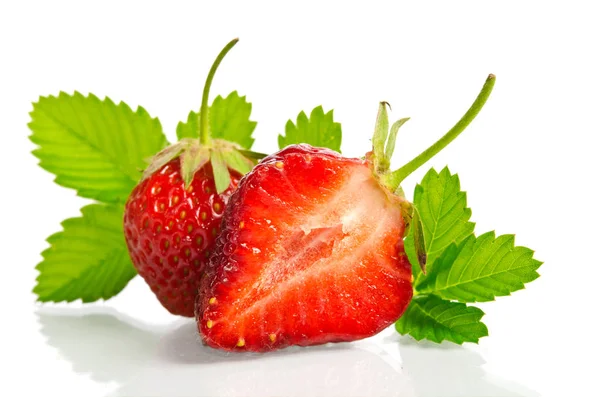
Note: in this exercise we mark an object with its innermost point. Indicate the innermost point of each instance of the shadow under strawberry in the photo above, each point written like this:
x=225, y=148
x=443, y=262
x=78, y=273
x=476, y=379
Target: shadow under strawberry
x=171, y=360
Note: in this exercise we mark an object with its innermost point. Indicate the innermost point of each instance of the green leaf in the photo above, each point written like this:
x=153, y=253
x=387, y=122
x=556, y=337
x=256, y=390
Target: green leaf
x=481, y=269
x=435, y=319
x=220, y=171
x=88, y=260
x=189, y=129
x=97, y=147
x=444, y=214
x=229, y=120
x=319, y=131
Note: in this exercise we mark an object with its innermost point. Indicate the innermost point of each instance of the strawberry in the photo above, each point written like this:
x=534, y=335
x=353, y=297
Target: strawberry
x=310, y=251
x=170, y=231
x=311, y=248
x=172, y=216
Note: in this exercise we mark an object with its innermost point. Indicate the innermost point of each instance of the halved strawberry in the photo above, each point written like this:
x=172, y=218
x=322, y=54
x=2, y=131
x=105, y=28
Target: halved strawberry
x=310, y=252
x=311, y=248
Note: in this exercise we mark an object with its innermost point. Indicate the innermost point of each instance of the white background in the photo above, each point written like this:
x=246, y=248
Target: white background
x=529, y=163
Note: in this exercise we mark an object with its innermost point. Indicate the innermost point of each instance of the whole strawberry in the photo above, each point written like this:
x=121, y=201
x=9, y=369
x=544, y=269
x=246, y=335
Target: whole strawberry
x=170, y=231
x=173, y=215
x=311, y=248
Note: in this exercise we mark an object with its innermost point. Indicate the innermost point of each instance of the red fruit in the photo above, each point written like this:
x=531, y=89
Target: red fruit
x=311, y=251
x=311, y=248
x=172, y=216
x=170, y=231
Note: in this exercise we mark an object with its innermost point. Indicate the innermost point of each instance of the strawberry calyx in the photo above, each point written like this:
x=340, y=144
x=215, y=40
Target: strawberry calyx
x=195, y=153
x=384, y=142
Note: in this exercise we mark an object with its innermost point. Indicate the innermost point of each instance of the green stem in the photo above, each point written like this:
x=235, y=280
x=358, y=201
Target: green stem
x=203, y=126
x=394, y=179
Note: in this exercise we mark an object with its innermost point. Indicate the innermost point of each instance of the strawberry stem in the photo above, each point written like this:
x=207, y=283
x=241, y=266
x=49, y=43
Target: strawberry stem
x=203, y=125
x=394, y=179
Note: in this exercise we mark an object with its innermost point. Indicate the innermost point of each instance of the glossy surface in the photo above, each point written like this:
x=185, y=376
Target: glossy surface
x=170, y=232
x=310, y=252
x=169, y=360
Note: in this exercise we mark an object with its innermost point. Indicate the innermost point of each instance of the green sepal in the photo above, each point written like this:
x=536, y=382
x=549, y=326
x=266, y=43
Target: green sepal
x=220, y=171
x=163, y=157
x=380, y=135
x=236, y=161
x=384, y=143
x=252, y=155
x=419, y=239
x=391, y=142
x=193, y=156
x=192, y=159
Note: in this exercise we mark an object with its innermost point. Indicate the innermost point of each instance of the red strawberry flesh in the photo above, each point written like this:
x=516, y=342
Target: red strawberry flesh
x=310, y=252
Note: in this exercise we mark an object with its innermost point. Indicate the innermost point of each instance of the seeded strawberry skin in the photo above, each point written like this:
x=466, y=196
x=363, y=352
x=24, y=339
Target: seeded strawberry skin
x=286, y=224
x=170, y=231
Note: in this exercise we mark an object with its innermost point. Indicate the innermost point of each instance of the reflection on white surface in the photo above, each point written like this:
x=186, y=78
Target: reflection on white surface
x=171, y=361
x=100, y=342
x=449, y=370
